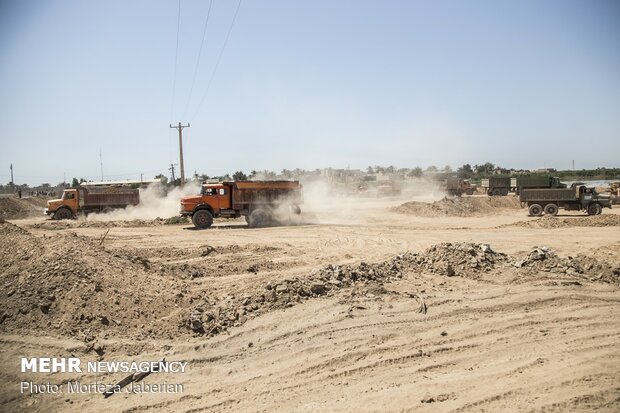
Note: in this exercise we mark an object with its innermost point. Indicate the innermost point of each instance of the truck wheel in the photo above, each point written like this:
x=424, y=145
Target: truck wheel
x=594, y=209
x=259, y=218
x=551, y=209
x=202, y=219
x=63, y=213
x=536, y=210
x=504, y=192
x=495, y=192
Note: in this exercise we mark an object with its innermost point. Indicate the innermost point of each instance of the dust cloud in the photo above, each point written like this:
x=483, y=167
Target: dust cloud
x=155, y=202
x=325, y=203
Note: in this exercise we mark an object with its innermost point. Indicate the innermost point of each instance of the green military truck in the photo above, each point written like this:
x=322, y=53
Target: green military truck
x=576, y=198
x=534, y=181
x=502, y=185
x=496, y=185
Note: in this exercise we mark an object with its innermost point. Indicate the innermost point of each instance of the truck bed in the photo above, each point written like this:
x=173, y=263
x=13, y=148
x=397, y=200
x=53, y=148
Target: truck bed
x=547, y=194
x=113, y=196
x=265, y=192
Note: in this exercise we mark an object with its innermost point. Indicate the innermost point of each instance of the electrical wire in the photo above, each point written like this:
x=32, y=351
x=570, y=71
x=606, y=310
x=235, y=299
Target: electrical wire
x=217, y=63
x=204, y=32
x=176, y=58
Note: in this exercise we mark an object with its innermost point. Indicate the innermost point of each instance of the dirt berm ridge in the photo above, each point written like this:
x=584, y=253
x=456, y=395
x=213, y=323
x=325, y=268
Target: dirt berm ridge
x=72, y=286
x=459, y=207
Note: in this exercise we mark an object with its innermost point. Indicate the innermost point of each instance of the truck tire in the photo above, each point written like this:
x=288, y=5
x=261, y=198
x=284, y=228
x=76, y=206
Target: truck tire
x=63, y=213
x=495, y=192
x=202, y=219
x=259, y=218
x=551, y=209
x=594, y=209
x=536, y=210
x=504, y=192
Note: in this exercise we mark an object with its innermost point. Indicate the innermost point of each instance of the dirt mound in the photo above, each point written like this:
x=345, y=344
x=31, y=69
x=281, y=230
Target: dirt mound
x=459, y=207
x=211, y=318
x=134, y=223
x=19, y=208
x=550, y=222
x=71, y=285
x=545, y=260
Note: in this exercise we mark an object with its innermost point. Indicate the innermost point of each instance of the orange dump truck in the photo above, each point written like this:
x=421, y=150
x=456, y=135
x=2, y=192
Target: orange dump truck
x=92, y=199
x=260, y=202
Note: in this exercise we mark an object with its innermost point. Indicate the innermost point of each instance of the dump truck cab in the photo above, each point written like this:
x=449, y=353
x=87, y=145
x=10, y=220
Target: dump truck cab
x=66, y=207
x=213, y=198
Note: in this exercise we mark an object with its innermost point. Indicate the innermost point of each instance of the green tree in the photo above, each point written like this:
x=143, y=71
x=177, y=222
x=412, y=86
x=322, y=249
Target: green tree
x=465, y=171
x=162, y=178
x=240, y=176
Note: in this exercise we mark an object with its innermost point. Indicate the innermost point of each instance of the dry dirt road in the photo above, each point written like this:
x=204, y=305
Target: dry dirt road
x=541, y=338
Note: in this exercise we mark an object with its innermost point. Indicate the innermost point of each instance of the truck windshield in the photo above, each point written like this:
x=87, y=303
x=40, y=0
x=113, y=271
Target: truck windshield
x=68, y=195
x=208, y=191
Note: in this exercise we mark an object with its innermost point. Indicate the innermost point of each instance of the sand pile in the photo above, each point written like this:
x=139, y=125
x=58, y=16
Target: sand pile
x=550, y=222
x=19, y=208
x=459, y=207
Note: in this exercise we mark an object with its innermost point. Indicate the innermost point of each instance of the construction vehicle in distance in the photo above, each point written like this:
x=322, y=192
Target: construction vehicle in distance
x=496, y=185
x=576, y=198
x=92, y=199
x=389, y=188
x=260, y=202
x=458, y=187
x=534, y=181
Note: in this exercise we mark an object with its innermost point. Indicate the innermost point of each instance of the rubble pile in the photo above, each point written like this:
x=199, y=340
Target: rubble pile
x=213, y=317
x=459, y=259
x=459, y=207
x=543, y=259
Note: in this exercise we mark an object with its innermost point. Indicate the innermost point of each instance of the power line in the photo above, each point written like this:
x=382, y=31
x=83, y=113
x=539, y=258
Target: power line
x=217, y=63
x=204, y=32
x=176, y=56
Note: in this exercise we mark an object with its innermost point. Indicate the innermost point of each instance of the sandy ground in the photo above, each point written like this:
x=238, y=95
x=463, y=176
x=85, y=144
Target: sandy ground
x=501, y=341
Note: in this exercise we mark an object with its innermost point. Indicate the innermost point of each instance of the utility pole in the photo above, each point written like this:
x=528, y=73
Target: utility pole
x=101, y=163
x=12, y=182
x=171, y=169
x=180, y=129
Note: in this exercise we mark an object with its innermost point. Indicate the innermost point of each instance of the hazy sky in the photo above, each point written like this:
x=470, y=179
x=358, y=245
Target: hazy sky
x=306, y=84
